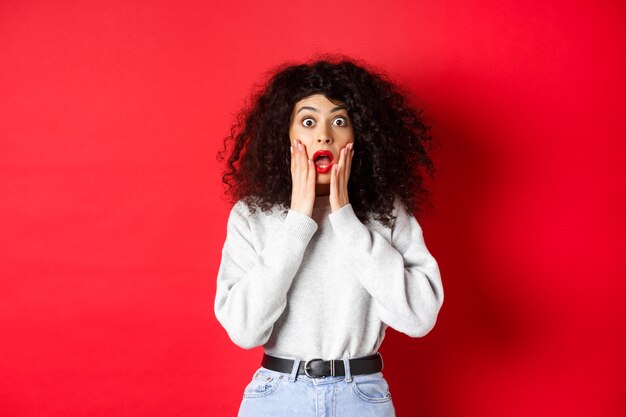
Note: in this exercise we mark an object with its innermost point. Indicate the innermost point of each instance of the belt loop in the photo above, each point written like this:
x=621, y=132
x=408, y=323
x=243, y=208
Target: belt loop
x=346, y=366
x=294, y=370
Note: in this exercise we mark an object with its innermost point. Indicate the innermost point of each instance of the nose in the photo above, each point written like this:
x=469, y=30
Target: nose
x=325, y=134
x=325, y=140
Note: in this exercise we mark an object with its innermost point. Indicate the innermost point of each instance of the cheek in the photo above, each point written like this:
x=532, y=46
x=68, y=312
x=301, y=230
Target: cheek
x=305, y=136
x=348, y=136
x=297, y=133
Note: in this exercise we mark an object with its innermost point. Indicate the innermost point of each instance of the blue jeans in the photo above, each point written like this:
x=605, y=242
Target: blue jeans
x=276, y=394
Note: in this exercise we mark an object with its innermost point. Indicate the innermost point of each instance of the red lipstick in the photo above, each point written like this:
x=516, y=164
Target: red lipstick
x=323, y=161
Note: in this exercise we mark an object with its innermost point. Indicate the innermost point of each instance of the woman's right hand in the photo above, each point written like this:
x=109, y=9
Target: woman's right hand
x=303, y=179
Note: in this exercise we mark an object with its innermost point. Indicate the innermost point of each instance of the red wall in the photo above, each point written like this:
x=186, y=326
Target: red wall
x=112, y=220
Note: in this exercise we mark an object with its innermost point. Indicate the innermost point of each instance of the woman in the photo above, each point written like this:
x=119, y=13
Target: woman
x=333, y=156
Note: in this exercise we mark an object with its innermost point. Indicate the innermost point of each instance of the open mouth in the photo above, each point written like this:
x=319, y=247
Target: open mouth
x=323, y=161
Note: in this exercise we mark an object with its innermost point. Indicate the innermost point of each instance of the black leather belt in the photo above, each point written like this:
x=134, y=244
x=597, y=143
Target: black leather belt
x=318, y=368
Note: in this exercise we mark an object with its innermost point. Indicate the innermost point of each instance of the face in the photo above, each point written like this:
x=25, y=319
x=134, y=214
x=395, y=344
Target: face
x=321, y=125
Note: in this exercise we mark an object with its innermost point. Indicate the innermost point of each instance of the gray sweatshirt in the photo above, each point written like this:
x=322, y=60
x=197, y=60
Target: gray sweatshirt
x=325, y=286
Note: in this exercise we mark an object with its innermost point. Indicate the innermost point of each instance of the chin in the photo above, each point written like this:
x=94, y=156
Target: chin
x=323, y=179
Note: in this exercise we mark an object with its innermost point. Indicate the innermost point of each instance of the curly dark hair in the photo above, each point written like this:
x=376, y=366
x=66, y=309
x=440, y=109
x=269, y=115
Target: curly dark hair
x=391, y=139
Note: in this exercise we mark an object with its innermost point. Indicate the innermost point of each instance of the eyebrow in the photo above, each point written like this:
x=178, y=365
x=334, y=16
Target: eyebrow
x=342, y=107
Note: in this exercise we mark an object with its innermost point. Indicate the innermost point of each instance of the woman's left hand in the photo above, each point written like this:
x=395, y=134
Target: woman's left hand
x=339, y=175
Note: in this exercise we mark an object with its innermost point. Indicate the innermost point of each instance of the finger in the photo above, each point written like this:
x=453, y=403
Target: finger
x=311, y=176
x=349, y=156
x=304, y=160
x=302, y=155
x=339, y=171
x=342, y=161
x=295, y=162
x=300, y=164
x=333, y=180
x=307, y=170
x=344, y=173
x=297, y=153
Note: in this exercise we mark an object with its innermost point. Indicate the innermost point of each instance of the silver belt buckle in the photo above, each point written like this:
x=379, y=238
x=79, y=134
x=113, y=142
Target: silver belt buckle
x=306, y=368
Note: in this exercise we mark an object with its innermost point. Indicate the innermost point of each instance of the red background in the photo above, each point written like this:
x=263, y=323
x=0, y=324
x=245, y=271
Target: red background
x=112, y=219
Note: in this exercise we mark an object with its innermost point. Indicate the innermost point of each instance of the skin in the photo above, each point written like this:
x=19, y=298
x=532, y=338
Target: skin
x=316, y=123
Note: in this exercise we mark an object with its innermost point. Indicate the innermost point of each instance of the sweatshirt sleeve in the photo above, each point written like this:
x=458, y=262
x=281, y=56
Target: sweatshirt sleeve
x=251, y=290
x=402, y=277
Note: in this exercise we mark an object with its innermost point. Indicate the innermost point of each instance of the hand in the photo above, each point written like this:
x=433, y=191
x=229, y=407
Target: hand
x=303, y=177
x=339, y=178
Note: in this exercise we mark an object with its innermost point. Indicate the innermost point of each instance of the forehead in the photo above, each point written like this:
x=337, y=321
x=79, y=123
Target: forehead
x=319, y=101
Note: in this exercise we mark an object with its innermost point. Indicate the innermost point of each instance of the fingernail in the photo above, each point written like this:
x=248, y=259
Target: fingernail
x=299, y=146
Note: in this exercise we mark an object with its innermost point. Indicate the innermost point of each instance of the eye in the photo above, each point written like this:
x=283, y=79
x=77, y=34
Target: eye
x=342, y=120
x=305, y=122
